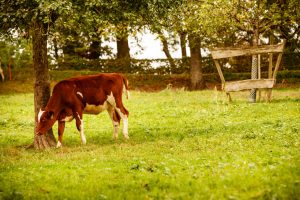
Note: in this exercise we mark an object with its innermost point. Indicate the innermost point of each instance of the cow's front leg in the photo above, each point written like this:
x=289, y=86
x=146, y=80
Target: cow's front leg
x=79, y=125
x=61, y=128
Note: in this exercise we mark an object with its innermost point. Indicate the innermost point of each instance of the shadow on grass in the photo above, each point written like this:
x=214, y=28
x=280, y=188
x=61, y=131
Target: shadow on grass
x=137, y=136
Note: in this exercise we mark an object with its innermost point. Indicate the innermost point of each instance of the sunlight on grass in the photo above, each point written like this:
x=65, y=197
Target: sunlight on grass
x=183, y=145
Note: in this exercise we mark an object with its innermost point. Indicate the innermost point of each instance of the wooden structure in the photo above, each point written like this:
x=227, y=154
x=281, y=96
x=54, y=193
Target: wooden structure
x=259, y=83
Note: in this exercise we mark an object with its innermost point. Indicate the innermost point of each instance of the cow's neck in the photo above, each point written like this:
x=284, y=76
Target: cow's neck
x=54, y=104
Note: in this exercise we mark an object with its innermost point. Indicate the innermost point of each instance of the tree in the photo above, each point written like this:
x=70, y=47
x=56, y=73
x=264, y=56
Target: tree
x=165, y=49
x=185, y=19
x=79, y=34
x=42, y=79
x=34, y=17
x=182, y=36
x=187, y=23
x=261, y=18
x=122, y=17
x=157, y=19
x=123, y=50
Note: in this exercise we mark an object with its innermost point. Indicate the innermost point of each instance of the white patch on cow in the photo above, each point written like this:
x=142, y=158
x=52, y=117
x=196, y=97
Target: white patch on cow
x=96, y=109
x=40, y=115
x=78, y=116
x=111, y=99
x=58, y=145
x=93, y=109
x=82, y=136
x=80, y=94
x=67, y=119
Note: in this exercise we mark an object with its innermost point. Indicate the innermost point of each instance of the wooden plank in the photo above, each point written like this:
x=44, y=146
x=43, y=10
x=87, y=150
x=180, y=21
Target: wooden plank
x=259, y=73
x=219, y=53
x=269, y=92
x=219, y=71
x=277, y=65
x=248, y=84
x=270, y=65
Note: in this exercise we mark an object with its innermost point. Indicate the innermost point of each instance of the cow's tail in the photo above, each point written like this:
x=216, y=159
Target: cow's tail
x=125, y=87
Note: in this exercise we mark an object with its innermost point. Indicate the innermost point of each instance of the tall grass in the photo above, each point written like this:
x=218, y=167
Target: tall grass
x=183, y=145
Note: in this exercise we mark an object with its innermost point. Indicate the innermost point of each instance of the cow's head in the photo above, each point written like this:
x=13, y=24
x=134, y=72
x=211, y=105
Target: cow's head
x=45, y=121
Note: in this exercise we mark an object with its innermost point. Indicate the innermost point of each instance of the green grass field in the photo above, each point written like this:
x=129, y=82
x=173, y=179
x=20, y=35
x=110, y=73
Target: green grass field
x=183, y=145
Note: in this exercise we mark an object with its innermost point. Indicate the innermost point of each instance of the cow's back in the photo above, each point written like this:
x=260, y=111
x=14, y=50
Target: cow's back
x=93, y=89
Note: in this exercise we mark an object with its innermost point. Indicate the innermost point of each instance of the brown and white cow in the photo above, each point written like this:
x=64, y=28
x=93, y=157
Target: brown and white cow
x=86, y=94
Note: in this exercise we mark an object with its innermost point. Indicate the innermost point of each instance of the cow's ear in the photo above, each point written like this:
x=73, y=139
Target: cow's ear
x=50, y=114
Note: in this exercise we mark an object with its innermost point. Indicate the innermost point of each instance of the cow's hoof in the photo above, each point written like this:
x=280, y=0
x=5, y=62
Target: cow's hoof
x=59, y=144
x=115, y=137
x=83, y=140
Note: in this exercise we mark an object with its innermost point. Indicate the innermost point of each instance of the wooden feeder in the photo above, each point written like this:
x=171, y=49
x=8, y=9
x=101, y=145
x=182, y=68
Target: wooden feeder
x=248, y=84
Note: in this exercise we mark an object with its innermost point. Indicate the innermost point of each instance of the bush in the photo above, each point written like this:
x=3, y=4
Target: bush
x=290, y=61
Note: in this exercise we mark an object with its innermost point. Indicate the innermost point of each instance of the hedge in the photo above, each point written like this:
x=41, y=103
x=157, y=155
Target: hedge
x=290, y=61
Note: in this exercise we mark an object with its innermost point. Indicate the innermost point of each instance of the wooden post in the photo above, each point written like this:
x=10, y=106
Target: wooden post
x=259, y=71
x=254, y=68
x=252, y=98
x=269, y=91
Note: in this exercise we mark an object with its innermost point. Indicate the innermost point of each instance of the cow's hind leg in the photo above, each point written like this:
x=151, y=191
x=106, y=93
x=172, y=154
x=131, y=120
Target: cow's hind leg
x=121, y=111
x=79, y=125
x=115, y=118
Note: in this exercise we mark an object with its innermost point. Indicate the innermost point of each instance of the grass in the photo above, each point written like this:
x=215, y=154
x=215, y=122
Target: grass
x=183, y=145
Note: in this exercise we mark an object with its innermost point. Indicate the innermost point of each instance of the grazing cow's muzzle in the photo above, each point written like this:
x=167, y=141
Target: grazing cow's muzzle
x=45, y=122
x=39, y=130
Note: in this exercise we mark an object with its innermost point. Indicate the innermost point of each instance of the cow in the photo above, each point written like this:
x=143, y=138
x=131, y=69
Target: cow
x=89, y=94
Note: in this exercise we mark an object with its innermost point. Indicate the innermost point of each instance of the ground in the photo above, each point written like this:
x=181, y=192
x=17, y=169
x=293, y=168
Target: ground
x=183, y=145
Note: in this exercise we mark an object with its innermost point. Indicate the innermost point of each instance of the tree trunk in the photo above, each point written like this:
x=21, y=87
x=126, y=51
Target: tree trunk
x=55, y=49
x=166, y=51
x=196, y=76
x=123, y=50
x=95, y=50
x=182, y=36
x=42, y=81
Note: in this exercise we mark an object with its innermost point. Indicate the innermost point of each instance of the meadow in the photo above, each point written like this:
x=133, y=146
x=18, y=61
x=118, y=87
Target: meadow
x=183, y=145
